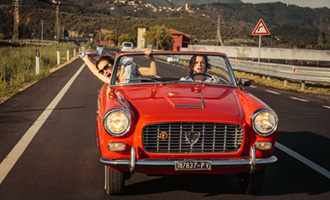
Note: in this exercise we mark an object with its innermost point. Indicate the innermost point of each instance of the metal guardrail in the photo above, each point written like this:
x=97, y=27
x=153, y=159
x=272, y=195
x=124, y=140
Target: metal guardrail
x=315, y=74
x=107, y=49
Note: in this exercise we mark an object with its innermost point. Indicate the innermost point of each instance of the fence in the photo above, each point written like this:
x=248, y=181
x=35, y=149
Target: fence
x=266, y=53
x=315, y=74
x=285, y=72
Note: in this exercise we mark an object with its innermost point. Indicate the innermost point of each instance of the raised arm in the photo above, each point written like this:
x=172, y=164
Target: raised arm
x=152, y=69
x=94, y=70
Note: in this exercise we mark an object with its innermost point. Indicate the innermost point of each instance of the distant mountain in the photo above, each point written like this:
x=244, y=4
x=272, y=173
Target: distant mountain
x=181, y=3
x=289, y=25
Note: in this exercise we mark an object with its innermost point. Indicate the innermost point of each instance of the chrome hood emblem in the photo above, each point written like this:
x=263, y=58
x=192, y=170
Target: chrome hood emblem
x=192, y=137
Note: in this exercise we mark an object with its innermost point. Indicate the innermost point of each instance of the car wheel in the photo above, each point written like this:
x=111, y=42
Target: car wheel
x=251, y=183
x=114, y=182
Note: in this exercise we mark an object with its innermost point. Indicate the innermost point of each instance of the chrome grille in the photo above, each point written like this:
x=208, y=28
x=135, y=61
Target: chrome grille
x=213, y=137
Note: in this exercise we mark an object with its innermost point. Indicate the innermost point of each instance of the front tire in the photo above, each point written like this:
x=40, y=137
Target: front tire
x=114, y=182
x=251, y=183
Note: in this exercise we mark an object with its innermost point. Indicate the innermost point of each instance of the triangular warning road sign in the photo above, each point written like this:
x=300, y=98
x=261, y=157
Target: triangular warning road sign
x=261, y=29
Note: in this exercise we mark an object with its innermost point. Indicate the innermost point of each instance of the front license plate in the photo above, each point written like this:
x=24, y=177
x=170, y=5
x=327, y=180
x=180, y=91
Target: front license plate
x=193, y=165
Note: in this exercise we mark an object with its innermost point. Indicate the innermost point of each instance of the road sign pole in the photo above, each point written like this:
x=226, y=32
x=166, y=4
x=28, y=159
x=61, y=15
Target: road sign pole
x=260, y=30
x=259, y=48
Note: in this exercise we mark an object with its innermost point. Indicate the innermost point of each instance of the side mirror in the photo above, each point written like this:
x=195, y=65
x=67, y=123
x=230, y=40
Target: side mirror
x=244, y=82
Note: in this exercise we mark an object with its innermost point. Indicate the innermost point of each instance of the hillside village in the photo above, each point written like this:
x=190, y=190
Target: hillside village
x=139, y=5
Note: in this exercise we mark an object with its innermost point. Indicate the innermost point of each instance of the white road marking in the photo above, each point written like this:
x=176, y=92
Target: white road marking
x=162, y=61
x=327, y=107
x=171, y=64
x=304, y=160
x=298, y=99
x=8, y=163
x=273, y=92
x=252, y=86
x=157, y=76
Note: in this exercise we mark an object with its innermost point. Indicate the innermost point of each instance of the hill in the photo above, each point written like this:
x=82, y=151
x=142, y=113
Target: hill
x=291, y=25
x=182, y=3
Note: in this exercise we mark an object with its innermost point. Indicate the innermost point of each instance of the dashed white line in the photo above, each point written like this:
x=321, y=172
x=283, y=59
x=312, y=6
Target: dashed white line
x=252, y=86
x=162, y=61
x=298, y=99
x=304, y=160
x=273, y=92
x=327, y=107
x=8, y=163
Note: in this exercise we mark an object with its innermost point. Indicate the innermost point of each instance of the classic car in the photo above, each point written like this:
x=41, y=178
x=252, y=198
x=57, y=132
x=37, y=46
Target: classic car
x=182, y=122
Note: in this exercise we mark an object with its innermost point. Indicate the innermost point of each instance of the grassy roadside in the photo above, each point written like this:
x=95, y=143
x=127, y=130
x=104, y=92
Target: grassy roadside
x=310, y=87
x=17, y=66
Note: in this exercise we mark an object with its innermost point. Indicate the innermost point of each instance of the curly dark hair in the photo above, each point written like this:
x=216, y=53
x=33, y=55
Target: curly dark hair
x=109, y=59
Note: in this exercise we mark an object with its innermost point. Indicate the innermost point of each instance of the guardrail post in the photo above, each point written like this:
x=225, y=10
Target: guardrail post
x=37, y=62
x=67, y=54
x=58, y=56
x=302, y=85
x=285, y=83
x=74, y=52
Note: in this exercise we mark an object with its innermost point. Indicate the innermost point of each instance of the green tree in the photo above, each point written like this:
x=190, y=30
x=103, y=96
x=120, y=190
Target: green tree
x=159, y=37
x=124, y=38
x=111, y=37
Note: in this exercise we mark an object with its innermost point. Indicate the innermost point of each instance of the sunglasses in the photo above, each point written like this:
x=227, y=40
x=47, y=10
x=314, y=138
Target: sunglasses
x=107, y=66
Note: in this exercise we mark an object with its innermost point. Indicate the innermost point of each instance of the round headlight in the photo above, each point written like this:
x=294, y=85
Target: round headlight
x=264, y=121
x=117, y=122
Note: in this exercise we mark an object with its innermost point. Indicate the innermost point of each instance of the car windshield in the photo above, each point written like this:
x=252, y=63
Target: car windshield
x=173, y=69
x=127, y=45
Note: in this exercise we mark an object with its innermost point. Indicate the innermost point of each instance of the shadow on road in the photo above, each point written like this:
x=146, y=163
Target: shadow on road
x=209, y=184
x=287, y=176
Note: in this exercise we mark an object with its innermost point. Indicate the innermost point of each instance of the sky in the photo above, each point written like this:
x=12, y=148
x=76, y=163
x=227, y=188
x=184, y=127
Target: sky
x=301, y=3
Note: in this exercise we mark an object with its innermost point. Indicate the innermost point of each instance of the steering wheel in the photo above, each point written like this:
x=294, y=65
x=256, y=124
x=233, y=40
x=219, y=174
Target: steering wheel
x=199, y=74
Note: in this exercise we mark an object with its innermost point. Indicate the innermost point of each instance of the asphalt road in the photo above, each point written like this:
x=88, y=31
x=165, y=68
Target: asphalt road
x=62, y=160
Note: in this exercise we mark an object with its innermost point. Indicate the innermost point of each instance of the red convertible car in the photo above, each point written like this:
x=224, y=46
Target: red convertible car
x=192, y=117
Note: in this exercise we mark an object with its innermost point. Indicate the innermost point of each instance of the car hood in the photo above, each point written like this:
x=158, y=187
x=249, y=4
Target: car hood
x=185, y=102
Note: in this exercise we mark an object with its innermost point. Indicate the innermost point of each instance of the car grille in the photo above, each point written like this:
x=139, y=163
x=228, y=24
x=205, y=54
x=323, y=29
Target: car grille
x=192, y=137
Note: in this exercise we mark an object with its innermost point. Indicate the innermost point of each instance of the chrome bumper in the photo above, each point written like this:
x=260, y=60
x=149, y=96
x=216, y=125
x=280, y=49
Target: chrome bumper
x=132, y=163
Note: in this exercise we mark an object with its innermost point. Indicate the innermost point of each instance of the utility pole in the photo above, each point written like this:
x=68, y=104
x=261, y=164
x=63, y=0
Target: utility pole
x=320, y=39
x=16, y=19
x=62, y=32
x=42, y=30
x=218, y=31
x=57, y=22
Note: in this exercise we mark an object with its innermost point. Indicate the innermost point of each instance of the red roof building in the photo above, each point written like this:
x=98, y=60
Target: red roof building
x=180, y=39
